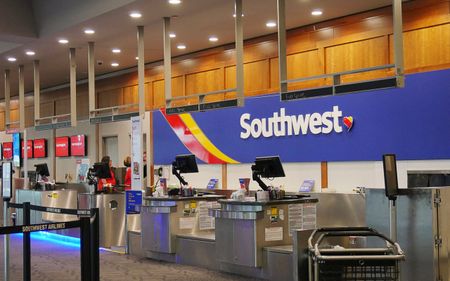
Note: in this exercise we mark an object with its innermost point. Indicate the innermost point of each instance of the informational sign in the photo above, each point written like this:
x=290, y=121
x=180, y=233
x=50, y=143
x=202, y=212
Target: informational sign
x=212, y=184
x=301, y=217
x=29, y=149
x=40, y=148
x=205, y=221
x=7, y=150
x=82, y=170
x=136, y=153
x=62, y=146
x=7, y=180
x=187, y=223
x=16, y=150
x=78, y=146
x=356, y=127
x=133, y=201
x=273, y=233
x=307, y=186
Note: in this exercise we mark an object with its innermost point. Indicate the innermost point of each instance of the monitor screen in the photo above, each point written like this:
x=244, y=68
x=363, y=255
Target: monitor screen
x=268, y=167
x=62, y=148
x=40, y=148
x=186, y=163
x=42, y=170
x=16, y=150
x=78, y=145
x=7, y=180
x=29, y=147
x=7, y=150
x=390, y=175
x=101, y=170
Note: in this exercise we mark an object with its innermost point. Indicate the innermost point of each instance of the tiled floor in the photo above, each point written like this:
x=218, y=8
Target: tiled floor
x=53, y=262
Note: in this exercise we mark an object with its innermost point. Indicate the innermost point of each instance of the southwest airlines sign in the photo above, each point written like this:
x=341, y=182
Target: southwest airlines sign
x=412, y=122
x=281, y=125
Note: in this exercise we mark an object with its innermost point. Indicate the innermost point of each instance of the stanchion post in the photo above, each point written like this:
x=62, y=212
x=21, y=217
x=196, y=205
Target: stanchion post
x=95, y=244
x=85, y=248
x=26, y=243
x=6, y=242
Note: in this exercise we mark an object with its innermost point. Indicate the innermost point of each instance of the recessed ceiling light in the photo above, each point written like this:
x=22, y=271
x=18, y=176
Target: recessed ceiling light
x=317, y=12
x=114, y=64
x=116, y=50
x=172, y=35
x=174, y=2
x=181, y=47
x=135, y=15
x=63, y=41
x=89, y=31
x=271, y=23
x=12, y=59
x=30, y=53
x=234, y=15
x=213, y=39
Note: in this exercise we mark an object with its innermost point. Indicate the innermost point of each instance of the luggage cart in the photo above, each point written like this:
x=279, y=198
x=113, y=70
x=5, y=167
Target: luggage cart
x=355, y=264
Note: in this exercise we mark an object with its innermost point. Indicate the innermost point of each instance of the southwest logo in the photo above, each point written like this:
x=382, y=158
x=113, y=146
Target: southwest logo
x=348, y=122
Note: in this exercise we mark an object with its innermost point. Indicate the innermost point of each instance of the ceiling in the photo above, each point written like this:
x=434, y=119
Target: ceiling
x=38, y=24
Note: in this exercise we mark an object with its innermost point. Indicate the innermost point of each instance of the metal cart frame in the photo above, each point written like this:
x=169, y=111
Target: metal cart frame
x=356, y=264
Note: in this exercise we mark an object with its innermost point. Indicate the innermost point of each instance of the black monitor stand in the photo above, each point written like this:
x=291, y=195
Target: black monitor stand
x=257, y=177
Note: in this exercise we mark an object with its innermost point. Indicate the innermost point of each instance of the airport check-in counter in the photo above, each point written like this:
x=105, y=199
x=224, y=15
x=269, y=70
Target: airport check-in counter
x=64, y=195
x=164, y=219
x=244, y=229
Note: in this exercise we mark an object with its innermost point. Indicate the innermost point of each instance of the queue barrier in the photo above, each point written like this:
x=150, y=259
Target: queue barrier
x=88, y=223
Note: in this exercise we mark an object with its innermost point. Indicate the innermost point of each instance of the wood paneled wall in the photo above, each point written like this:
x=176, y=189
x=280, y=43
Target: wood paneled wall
x=352, y=42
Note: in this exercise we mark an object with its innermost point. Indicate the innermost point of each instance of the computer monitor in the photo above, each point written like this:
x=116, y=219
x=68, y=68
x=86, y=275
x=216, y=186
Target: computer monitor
x=390, y=176
x=184, y=164
x=267, y=167
x=101, y=170
x=42, y=170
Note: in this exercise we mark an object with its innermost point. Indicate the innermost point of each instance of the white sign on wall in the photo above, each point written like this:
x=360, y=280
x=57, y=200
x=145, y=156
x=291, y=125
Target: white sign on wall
x=136, y=153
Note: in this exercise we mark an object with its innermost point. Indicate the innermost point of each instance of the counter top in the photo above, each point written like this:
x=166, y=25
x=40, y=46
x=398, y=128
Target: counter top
x=271, y=202
x=178, y=198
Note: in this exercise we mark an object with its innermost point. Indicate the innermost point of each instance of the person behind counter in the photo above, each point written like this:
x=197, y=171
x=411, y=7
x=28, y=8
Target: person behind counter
x=127, y=182
x=109, y=181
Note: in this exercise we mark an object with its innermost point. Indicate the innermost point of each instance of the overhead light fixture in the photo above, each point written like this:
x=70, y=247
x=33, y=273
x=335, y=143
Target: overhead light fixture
x=135, y=15
x=137, y=58
x=174, y=2
x=234, y=15
x=30, y=53
x=63, y=41
x=271, y=23
x=114, y=64
x=181, y=47
x=116, y=50
x=89, y=31
x=172, y=35
x=11, y=59
x=213, y=39
x=316, y=12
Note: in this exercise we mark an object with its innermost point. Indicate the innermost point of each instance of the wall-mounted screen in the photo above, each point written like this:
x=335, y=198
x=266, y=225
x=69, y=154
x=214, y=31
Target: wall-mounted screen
x=40, y=148
x=29, y=147
x=7, y=180
x=62, y=146
x=16, y=149
x=7, y=150
x=78, y=145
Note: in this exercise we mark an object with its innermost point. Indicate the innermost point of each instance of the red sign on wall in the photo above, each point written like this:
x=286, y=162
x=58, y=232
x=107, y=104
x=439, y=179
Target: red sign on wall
x=29, y=147
x=40, y=148
x=62, y=146
x=78, y=145
x=7, y=150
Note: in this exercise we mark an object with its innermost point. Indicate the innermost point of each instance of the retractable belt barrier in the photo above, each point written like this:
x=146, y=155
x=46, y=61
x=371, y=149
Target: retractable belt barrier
x=89, y=236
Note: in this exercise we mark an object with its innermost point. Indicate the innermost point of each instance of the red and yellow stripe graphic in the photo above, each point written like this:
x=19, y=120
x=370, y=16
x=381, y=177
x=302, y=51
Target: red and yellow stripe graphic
x=195, y=140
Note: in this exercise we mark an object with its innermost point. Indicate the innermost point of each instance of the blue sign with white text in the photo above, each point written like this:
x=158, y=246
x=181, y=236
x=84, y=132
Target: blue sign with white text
x=412, y=122
x=133, y=200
